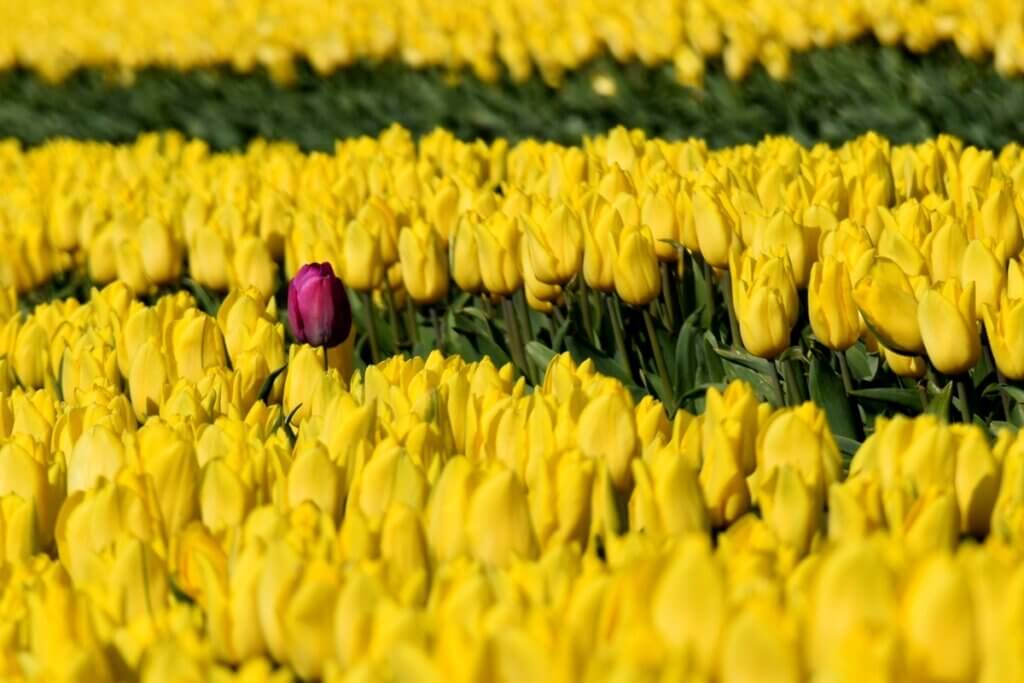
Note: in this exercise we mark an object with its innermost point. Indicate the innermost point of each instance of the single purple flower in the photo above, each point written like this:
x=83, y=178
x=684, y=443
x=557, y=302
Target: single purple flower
x=318, y=309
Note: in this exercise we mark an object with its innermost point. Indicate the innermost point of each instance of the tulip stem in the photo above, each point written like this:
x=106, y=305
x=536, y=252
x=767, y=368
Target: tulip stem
x=795, y=388
x=668, y=292
x=965, y=400
x=410, y=321
x=371, y=327
x=620, y=341
x=515, y=347
x=709, y=290
x=855, y=408
x=734, y=328
x=659, y=360
x=773, y=376
x=389, y=299
x=1001, y=379
x=438, y=330
x=584, y=304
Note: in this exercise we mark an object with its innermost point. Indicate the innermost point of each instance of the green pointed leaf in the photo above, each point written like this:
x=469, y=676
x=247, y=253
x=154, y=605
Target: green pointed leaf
x=206, y=301
x=540, y=355
x=905, y=398
x=268, y=383
x=863, y=365
x=827, y=391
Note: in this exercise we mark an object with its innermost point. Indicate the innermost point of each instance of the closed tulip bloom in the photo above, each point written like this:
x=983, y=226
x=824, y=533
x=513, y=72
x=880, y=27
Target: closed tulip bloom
x=362, y=264
x=984, y=268
x=208, y=258
x=31, y=362
x=658, y=212
x=318, y=309
x=780, y=234
x=498, y=243
x=148, y=382
x=498, y=527
x=196, y=344
x=160, y=250
x=555, y=248
x=889, y=306
x=607, y=432
x=949, y=328
x=253, y=266
x=715, y=225
x=424, y=263
x=945, y=249
x=997, y=218
x=464, y=259
x=601, y=245
x=314, y=477
x=831, y=308
x=637, y=278
x=765, y=301
x=939, y=622
x=1004, y=325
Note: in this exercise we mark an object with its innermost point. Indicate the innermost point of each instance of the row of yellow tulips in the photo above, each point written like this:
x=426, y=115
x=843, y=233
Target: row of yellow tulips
x=907, y=246
x=431, y=519
x=56, y=37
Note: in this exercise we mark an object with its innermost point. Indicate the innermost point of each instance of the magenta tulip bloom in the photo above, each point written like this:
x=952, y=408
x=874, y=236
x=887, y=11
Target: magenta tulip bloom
x=318, y=309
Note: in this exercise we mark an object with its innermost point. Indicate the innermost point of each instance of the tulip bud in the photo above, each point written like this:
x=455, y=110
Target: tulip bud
x=208, y=258
x=464, y=259
x=196, y=344
x=949, y=328
x=253, y=266
x=424, y=263
x=362, y=265
x=607, y=432
x=160, y=251
x=765, y=301
x=939, y=622
x=498, y=526
x=637, y=279
x=715, y=222
x=831, y=308
x=983, y=267
x=601, y=244
x=889, y=306
x=1005, y=327
x=318, y=309
x=555, y=248
x=781, y=234
x=498, y=244
x=147, y=381
x=903, y=365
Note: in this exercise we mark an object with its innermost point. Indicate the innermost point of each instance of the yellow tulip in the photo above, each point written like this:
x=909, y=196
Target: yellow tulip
x=1004, y=325
x=99, y=454
x=362, y=264
x=765, y=301
x=160, y=251
x=252, y=265
x=148, y=381
x=715, y=223
x=314, y=477
x=555, y=248
x=464, y=261
x=983, y=267
x=424, y=263
x=949, y=328
x=607, y=432
x=195, y=343
x=945, y=249
x=498, y=528
x=208, y=258
x=889, y=306
x=498, y=244
x=780, y=234
x=601, y=244
x=903, y=365
x=831, y=308
x=169, y=459
x=637, y=278
x=939, y=622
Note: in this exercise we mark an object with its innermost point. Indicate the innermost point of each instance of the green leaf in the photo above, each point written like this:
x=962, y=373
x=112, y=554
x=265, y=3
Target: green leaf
x=905, y=398
x=558, y=340
x=205, y=300
x=846, y=445
x=540, y=355
x=940, y=402
x=1016, y=393
x=268, y=383
x=758, y=365
x=863, y=365
x=828, y=392
x=684, y=366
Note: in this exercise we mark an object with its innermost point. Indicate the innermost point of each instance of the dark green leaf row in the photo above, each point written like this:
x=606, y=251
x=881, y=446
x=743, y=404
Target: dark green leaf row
x=832, y=96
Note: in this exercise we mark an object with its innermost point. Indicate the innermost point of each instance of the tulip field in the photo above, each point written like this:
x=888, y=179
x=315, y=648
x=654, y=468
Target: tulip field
x=421, y=341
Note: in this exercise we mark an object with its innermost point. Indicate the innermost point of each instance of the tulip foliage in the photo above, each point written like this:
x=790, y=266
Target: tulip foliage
x=171, y=511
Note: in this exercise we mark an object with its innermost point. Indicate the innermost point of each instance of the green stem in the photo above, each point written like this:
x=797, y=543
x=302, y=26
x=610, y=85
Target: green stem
x=526, y=333
x=668, y=293
x=773, y=377
x=709, y=290
x=410, y=321
x=620, y=339
x=583, y=301
x=795, y=385
x=734, y=328
x=659, y=360
x=371, y=325
x=515, y=346
x=438, y=330
x=389, y=300
x=1001, y=378
x=855, y=408
x=965, y=399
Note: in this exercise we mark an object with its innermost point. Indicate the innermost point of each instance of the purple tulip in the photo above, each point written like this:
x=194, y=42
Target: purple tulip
x=318, y=309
